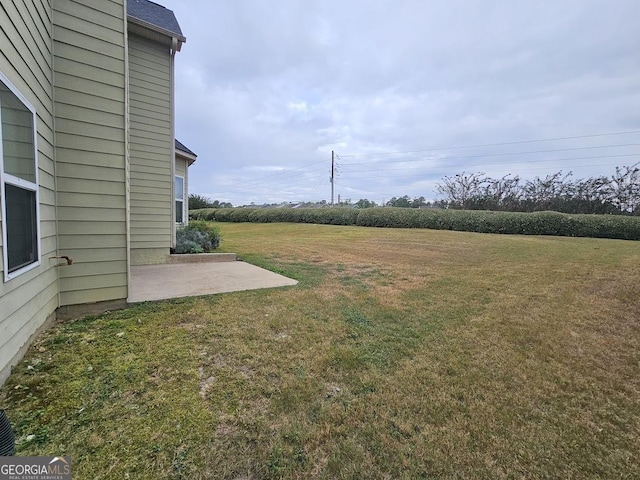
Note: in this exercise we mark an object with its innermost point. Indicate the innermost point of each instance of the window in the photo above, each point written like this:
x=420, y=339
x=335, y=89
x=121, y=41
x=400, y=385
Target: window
x=18, y=182
x=179, y=199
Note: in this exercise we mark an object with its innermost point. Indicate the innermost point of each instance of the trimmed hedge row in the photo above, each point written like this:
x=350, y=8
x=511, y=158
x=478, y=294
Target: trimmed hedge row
x=326, y=216
x=537, y=223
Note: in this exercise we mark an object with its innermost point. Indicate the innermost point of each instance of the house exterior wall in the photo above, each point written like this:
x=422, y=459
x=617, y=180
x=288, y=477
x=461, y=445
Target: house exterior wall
x=105, y=157
x=30, y=299
x=181, y=167
x=151, y=147
x=90, y=136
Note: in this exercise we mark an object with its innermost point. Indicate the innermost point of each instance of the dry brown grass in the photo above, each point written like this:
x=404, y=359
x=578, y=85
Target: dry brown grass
x=401, y=354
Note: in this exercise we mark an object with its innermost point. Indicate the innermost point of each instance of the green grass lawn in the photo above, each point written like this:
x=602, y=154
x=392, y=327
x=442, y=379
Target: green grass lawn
x=400, y=354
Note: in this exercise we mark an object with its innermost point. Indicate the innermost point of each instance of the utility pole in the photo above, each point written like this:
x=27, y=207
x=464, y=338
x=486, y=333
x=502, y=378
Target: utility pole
x=333, y=162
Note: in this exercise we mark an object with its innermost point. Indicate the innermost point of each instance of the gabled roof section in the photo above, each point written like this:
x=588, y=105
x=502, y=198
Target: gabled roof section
x=185, y=152
x=182, y=147
x=155, y=17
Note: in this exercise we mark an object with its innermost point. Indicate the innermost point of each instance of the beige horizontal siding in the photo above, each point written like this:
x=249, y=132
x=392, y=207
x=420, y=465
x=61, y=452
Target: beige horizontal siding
x=48, y=233
x=70, y=52
x=91, y=187
x=29, y=299
x=91, y=144
x=147, y=149
x=81, y=128
x=85, y=269
x=147, y=197
x=149, y=117
x=97, y=38
x=16, y=334
x=90, y=107
x=148, y=156
x=85, y=44
x=154, y=241
x=150, y=209
x=150, y=111
x=26, y=52
x=150, y=144
x=10, y=305
x=153, y=180
x=82, y=255
x=76, y=242
x=91, y=214
x=11, y=291
x=95, y=203
x=96, y=282
x=151, y=225
x=146, y=167
x=99, y=294
x=181, y=167
x=83, y=70
x=97, y=173
x=149, y=135
x=145, y=71
x=109, y=19
x=98, y=89
x=75, y=162
x=47, y=197
x=152, y=190
x=91, y=228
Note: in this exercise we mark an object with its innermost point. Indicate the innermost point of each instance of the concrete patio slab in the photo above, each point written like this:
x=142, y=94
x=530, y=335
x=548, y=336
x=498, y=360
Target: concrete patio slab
x=162, y=282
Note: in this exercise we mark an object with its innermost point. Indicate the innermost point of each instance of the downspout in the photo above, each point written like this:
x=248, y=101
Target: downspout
x=174, y=48
x=185, y=193
x=55, y=157
x=127, y=158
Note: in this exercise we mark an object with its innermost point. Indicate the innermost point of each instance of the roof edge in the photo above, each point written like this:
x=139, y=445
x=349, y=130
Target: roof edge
x=156, y=28
x=191, y=159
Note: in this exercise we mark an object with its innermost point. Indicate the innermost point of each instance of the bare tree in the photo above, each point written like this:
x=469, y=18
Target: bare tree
x=619, y=194
x=625, y=188
x=462, y=189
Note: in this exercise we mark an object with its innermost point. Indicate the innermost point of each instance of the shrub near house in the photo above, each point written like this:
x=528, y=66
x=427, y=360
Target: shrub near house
x=197, y=237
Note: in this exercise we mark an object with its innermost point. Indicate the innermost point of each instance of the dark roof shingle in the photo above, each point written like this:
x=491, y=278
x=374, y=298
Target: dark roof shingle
x=154, y=14
x=180, y=146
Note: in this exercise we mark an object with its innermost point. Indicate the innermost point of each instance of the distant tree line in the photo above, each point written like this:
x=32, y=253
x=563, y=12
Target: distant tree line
x=408, y=202
x=402, y=202
x=200, y=201
x=618, y=194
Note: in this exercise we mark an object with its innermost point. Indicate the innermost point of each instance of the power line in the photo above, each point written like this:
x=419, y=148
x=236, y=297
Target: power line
x=286, y=176
x=272, y=183
x=424, y=175
x=358, y=171
x=368, y=191
x=519, y=142
x=288, y=173
x=503, y=154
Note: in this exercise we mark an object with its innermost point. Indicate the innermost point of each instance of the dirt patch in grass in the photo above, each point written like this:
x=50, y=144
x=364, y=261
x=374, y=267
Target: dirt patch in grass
x=401, y=354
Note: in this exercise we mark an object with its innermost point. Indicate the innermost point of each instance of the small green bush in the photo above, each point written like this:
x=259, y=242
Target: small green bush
x=198, y=236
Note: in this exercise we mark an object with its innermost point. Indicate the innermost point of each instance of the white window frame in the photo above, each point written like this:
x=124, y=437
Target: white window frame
x=6, y=178
x=176, y=199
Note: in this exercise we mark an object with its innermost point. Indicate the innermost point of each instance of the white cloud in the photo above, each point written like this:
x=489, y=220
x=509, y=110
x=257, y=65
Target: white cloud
x=265, y=91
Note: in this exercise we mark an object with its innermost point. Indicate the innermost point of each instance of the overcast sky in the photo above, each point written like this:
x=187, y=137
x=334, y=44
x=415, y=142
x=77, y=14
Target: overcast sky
x=266, y=90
